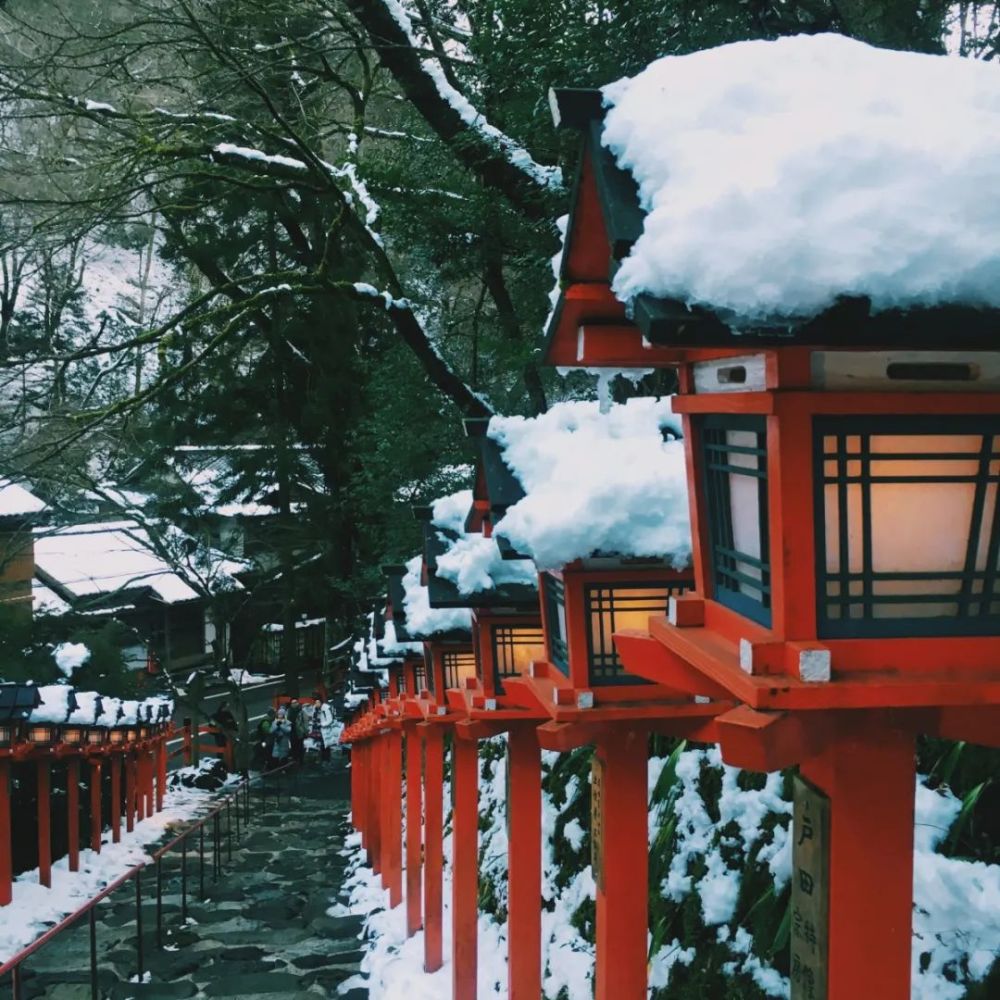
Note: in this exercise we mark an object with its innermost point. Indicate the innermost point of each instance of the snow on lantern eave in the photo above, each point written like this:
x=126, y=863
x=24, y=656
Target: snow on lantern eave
x=778, y=177
x=611, y=483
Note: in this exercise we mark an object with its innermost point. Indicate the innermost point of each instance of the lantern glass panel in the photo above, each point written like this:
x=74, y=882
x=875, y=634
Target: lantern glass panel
x=95, y=737
x=735, y=457
x=458, y=667
x=514, y=648
x=612, y=609
x=907, y=536
x=72, y=735
x=555, y=608
x=419, y=678
x=6, y=734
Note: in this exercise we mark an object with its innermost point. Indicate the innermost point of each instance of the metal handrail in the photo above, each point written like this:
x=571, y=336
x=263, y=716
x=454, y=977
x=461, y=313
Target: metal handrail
x=14, y=964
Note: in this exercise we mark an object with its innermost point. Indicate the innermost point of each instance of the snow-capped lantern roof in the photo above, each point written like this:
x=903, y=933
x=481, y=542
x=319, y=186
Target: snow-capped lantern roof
x=411, y=612
x=466, y=568
x=811, y=189
x=596, y=483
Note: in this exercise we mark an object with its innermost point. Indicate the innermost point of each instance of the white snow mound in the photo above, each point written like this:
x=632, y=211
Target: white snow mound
x=596, y=483
x=779, y=175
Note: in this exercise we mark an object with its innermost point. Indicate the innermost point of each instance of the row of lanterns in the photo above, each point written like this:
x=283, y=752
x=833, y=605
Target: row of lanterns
x=842, y=477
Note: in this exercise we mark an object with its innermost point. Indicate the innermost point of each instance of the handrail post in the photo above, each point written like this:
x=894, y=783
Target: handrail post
x=96, y=819
x=201, y=858
x=6, y=847
x=93, y=953
x=44, y=772
x=73, y=812
x=129, y=763
x=229, y=830
x=161, y=771
x=116, y=797
x=187, y=743
x=184, y=877
x=138, y=924
x=159, y=902
x=15, y=981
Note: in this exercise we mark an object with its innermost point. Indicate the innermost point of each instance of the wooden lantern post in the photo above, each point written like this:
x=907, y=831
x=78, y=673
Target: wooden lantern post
x=581, y=687
x=842, y=478
x=16, y=703
x=448, y=659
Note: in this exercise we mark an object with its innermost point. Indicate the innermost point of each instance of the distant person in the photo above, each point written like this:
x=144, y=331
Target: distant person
x=264, y=741
x=326, y=723
x=281, y=732
x=225, y=722
x=300, y=729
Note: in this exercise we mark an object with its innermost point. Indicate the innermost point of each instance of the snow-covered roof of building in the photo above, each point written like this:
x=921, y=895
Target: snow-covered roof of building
x=779, y=175
x=611, y=483
x=105, y=558
x=225, y=488
x=16, y=501
x=45, y=601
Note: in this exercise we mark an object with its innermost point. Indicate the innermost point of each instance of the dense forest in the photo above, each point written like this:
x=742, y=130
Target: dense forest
x=319, y=227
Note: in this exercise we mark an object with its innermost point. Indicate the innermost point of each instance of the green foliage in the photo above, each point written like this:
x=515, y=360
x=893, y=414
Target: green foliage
x=970, y=772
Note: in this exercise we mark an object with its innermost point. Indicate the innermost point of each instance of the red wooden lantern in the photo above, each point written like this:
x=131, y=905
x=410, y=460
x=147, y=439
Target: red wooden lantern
x=843, y=472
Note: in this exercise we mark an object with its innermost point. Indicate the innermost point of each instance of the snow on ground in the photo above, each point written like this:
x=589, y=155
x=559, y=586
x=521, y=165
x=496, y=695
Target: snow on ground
x=780, y=174
x=956, y=912
x=38, y=908
x=596, y=483
x=69, y=656
x=244, y=678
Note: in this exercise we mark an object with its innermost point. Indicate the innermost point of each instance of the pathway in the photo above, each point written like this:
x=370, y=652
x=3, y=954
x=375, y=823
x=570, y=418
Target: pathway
x=262, y=930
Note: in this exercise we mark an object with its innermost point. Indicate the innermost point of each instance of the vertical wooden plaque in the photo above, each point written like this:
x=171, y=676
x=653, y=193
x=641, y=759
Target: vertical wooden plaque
x=809, y=959
x=597, y=820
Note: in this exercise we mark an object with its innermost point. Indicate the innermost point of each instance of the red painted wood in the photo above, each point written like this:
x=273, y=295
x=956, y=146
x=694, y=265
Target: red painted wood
x=868, y=771
x=73, y=813
x=161, y=774
x=375, y=799
x=96, y=819
x=433, y=852
x=622, y=906
x=356, y=772
x=587, y=246
x=414, y=826
x=141, y=765
x=6, y=863
x=116, y=797
x=793, y=542
x=394, y=817
x=524, y=891
x=465, y=868
x=44, y=772
x=129, y=792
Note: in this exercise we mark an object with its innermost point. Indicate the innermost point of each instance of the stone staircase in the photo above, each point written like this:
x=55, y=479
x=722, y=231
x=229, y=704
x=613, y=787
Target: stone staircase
x=261, y=932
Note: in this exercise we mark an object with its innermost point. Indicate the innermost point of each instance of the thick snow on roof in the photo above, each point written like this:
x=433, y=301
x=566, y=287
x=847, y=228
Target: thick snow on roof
x=778, y=175
x=107, y=557
x=473, y=562
x=45, y=601
x=421, y=619
x=16, y=501
x=596, y=483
